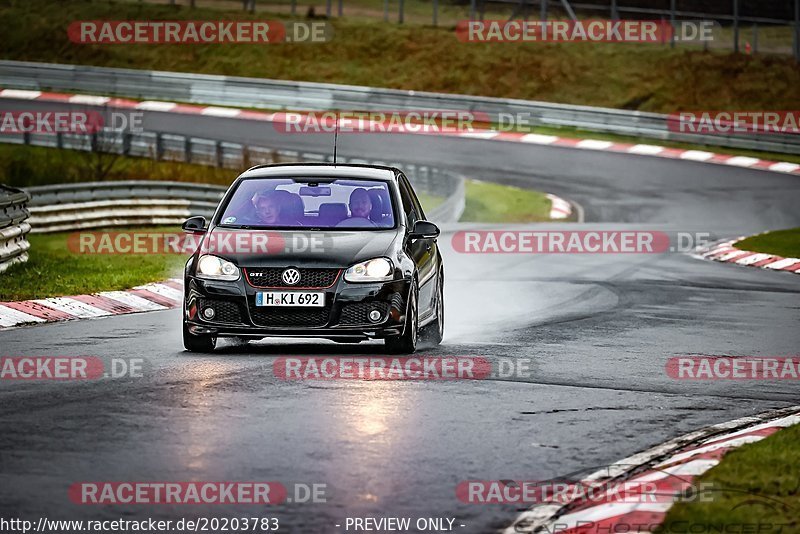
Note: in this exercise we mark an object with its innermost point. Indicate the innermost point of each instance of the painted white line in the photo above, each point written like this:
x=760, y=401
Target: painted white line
x=594, y=144
x=134, y=301
x=781, y=264
x=731, y=443
x=480, y=134
x=538, y=139
x=220, y=112
x=21, y=94
x=650, y=150
x=693, y=468
x=696, y=155
x=73, y=307
x=165, y=291
x=784, y=422
x=741, y=161
x=755, y=258
x=89, y=99
x=784, y=166
x=12, y=317
x=156, y=105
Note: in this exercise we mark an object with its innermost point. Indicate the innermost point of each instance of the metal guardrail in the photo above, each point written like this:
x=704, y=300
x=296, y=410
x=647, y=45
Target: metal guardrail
x=63, y=207
x=14, y=227
x=277, y=94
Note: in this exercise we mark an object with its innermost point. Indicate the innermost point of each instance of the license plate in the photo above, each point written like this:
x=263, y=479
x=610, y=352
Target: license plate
x=305, y=299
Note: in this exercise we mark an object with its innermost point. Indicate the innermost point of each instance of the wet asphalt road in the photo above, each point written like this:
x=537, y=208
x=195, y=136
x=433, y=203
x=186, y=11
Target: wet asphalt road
x=598, y=330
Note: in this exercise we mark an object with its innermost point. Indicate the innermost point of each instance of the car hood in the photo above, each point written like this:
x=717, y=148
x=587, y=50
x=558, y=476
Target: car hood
x=269, y=248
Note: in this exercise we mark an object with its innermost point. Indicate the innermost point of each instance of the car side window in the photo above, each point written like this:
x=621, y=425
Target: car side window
x=411, y=198
x=409, y=206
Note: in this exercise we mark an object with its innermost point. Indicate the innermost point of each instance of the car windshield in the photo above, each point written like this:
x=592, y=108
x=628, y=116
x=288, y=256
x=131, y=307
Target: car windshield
x=310, y=203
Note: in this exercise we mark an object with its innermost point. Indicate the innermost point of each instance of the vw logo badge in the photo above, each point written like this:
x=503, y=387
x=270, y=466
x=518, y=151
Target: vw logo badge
x=290, y=276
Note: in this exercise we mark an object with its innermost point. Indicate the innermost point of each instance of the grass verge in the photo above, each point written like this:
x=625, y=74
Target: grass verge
x=784, y=243
x=755, y=489
x=488, y=202
x=53, y=270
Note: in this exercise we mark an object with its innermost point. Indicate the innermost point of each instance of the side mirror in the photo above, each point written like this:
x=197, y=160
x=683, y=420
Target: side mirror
x=424, y=230
x=194, y=225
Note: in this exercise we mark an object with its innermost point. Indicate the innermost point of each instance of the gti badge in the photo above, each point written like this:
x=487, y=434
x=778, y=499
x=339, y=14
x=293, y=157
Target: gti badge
x=290, y=276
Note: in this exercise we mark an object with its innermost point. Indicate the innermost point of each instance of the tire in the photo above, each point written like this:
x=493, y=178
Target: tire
x=194, y=343
x=433, y=332
x=406, y=343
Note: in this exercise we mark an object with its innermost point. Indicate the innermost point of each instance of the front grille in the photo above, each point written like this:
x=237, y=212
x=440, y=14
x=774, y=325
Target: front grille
x=311, y=278
x=224, y=311
x=278, y=316
x=358, y=313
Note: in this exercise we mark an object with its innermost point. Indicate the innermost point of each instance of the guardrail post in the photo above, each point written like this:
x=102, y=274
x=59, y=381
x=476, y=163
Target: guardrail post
x=797, y=30
x=220, y=155
x=755, y=38
x=187, y=149
x=26, y=138
x=400, y=17
x=614, y=10
x=159, y=147
x=328, y=8
x=95, y=146
x=543, y=11
x=294, y=7
x=59, y=140
x=127, y=137
x=340, y=8
x=471, y=9
x=672, y=23
x=736, y=26
x=246, y=157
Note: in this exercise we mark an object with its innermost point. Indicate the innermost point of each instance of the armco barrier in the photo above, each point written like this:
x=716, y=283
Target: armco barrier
x=96, y=204
x=277, y=94
x=14, y=227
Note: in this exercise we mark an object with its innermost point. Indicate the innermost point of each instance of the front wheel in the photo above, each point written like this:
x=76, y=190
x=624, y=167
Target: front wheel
x=433, y=332
x=406, y=343
x=195, y=343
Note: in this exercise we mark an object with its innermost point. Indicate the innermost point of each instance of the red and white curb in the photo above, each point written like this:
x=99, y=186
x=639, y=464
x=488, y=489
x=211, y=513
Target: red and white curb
x=559, y=208
x=532, y=138
x=671, y=467
x=725, y=251
x=148, y=297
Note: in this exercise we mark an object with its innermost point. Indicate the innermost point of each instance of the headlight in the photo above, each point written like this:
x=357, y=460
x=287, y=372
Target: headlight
x=377, y=270
x=215, y=268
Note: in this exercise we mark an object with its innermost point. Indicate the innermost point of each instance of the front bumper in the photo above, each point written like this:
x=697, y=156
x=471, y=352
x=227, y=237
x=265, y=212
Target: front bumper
x=345, y=314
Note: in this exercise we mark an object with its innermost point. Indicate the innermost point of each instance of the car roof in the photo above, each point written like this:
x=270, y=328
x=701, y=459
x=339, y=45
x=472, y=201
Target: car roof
x=340, y=170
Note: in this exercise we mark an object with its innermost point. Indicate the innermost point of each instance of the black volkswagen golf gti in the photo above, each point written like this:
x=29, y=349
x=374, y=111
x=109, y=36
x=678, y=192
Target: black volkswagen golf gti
x=341, y=252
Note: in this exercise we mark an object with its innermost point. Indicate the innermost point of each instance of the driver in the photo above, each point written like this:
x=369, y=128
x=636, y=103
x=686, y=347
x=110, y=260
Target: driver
x=360, y=209
x=268, y=207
